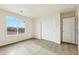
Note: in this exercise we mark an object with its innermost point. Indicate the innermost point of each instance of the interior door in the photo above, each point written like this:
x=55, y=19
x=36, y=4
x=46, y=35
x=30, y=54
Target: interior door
x=69, y=30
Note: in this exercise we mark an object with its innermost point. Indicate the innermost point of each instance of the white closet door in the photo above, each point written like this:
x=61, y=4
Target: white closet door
x=69, y=30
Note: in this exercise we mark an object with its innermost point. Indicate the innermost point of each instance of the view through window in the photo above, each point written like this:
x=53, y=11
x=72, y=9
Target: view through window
x=14, y=25
x=21, y=26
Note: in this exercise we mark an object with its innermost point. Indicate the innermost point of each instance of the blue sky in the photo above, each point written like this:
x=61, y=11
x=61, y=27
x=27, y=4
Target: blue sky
x=11, y=21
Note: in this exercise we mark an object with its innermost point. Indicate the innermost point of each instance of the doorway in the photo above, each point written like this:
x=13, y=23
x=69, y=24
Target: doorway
x=69, y=30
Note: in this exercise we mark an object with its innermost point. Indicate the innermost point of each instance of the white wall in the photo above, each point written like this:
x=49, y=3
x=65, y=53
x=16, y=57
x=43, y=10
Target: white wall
x=6, y=39
x=78, y=27
x=77, y=14
x=37, y=28
x=49, y=27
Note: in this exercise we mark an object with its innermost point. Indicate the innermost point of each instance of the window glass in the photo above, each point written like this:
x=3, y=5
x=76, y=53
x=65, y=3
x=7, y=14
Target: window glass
x=11, y=25
x=21, y=26
x=14, y=25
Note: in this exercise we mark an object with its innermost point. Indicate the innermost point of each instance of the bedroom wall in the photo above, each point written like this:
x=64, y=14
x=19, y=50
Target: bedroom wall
x=78, y=26
x=6, y=39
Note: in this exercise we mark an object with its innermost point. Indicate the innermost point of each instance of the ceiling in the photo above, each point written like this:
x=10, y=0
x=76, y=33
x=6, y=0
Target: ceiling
x=36, y=10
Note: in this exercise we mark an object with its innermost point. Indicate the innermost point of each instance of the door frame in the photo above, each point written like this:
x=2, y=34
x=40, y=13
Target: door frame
x=76, y=29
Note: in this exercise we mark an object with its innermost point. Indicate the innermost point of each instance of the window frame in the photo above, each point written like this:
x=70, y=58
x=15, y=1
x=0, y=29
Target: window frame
x=16, y=26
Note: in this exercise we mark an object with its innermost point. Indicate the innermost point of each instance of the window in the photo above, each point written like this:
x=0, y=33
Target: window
x=21, y=26
x=11, y=25
x=14, y=25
